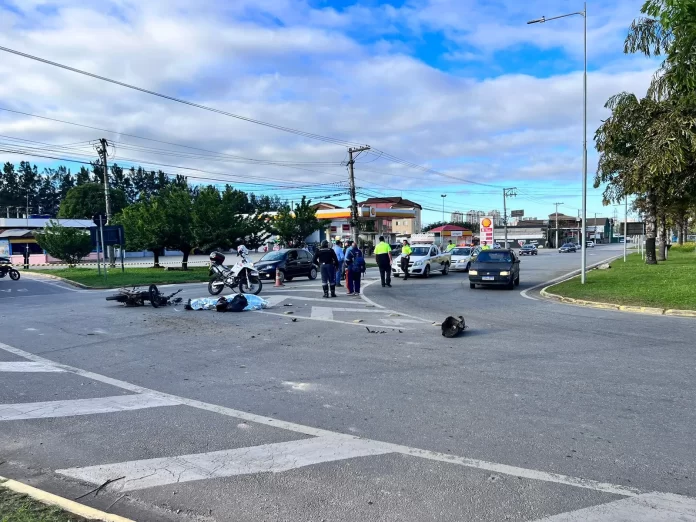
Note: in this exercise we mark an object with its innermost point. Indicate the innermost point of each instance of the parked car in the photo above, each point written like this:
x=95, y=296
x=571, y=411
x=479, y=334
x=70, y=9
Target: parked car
x=498, y=267
x=590, y=244
x=425, y=259
x=529, y=250
x=461, y=258
x=568, y=247
x=292, y=262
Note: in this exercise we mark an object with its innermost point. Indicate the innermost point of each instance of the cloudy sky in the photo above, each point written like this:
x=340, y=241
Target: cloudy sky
x=462, y=87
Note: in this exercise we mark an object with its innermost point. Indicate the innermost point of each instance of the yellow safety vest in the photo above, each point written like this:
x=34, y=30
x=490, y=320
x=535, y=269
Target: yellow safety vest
x=382, y=248
x=406, y=250
x=451, y=247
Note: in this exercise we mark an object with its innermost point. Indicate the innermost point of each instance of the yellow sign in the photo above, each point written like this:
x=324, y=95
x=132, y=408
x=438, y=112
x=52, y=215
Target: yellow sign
x=486, y=222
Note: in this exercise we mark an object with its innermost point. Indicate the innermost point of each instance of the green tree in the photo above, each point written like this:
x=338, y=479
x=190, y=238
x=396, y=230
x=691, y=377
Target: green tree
x=294, y=226
x=68, y=244
x=84, y=201
x=174, y=210
x=143, y=225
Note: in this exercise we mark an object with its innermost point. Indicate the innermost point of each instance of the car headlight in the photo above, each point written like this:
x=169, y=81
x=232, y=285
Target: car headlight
x=418, y=263
x=473, y=272
x=505, y=273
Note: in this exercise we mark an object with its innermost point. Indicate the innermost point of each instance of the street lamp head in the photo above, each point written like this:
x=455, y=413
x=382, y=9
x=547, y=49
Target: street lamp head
x=537, y=21
x=443, y=195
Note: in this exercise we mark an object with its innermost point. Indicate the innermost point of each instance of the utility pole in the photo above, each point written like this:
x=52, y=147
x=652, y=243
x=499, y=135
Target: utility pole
x=105, y=168
x=443, y=196
x=625, y=234
x=556, y=245
x=353, y=198
x=507, y=192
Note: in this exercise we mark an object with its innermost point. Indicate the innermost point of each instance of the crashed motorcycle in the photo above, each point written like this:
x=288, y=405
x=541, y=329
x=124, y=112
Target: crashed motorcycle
x=6, y=269
x=242, y=276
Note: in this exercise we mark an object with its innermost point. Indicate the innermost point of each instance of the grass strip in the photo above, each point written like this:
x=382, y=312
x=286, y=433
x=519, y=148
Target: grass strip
x=130, y=277
x=670, y=284
x=16, y=507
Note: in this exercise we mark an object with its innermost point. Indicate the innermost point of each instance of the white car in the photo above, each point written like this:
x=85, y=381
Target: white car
x=424, y=260
x=461, y=258
x=590, y=244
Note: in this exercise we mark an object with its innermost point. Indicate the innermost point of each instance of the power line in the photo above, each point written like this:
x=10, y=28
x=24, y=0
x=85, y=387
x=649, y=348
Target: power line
x=290, y=130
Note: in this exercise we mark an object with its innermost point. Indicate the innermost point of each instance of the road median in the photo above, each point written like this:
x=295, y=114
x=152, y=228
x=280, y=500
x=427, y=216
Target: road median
x=663, y=289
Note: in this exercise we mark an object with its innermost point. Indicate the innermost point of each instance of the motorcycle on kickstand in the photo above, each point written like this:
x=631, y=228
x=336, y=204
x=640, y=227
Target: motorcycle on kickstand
x=242, y=276
x=6, y=268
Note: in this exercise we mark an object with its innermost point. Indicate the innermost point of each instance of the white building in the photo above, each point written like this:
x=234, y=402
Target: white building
x=457, y=217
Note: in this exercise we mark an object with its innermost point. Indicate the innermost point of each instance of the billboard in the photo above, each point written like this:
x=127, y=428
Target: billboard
x=4, y=248
x=517, y=213
x=487, y=230
x=634, y=229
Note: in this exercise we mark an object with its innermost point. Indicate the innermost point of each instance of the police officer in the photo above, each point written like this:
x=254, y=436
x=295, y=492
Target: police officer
x=450, y=246
x=326, y=258
x=405, y=258
x=384, y=261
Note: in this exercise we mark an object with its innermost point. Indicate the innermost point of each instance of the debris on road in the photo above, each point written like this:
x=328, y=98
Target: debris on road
x=452, y=326
x=375, y=331
x=288, y=312
x=358, y=321
x=137, y=297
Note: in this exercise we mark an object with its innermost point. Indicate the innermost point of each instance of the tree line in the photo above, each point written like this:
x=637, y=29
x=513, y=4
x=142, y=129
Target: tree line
x=156, y=211
x=647, y=147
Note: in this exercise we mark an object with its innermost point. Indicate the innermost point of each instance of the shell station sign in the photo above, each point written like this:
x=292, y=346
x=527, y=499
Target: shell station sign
x=487, y=230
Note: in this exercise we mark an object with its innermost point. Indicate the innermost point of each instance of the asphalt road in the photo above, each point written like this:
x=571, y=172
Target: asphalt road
x=539, y=410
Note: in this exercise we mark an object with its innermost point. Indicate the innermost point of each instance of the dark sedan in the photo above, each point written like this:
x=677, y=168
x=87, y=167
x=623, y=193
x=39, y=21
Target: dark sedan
x=528, y=250
x=291, y=262
x=495, y=267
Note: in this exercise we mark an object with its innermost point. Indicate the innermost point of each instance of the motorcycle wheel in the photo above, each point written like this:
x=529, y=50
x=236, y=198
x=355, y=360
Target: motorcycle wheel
x=217, y=289
x=254, y=286
x=14, y=275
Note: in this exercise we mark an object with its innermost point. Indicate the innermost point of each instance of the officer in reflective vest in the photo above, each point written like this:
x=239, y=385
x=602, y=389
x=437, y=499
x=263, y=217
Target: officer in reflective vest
x=384, y=261
x=405, y=258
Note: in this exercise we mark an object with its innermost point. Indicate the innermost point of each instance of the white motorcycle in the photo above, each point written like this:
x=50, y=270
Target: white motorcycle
x=242, y=275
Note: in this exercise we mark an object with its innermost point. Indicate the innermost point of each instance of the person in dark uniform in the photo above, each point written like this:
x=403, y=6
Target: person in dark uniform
x=326, y=258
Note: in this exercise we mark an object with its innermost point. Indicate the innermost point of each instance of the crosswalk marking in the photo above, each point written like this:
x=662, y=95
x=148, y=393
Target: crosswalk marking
x=650, y=507
x=268, y=458
x=28, y=367
x=69, y=408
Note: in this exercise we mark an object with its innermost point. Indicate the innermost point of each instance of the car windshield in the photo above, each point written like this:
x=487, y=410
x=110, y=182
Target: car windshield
x=274, y=256
x=461, y=252
x=568, y=245
x=528, y=247
x=486, y=256
x=420, y=251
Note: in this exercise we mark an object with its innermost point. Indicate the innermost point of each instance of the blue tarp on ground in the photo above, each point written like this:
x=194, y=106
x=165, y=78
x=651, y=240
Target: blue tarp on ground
x=208, y=303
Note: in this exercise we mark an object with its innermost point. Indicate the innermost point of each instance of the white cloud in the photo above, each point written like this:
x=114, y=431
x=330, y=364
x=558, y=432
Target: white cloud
x=286, y=63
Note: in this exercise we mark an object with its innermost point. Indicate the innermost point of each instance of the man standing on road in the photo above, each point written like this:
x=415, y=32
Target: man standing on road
x=405, y=258
x=338, y=248
x=326, y=258
x=355, y=266
x=384, y=261
x=485, y=246
x=450, y=246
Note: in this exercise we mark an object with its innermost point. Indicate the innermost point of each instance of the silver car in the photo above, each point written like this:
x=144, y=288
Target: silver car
x=461, y=258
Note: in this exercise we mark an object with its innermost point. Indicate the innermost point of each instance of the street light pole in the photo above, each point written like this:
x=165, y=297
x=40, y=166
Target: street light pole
x=443, y=196
x=507, y=192
x=543, y=19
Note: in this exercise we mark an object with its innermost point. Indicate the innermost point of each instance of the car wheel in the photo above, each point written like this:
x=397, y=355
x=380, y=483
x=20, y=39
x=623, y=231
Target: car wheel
x=282, y=277
x=445, y=269
x=288, y=279
x=472, y=285
x=511, y=285
x=517, y=281
x=312, y=274
x=397, y=275
x=426, y=272
x=468, y=266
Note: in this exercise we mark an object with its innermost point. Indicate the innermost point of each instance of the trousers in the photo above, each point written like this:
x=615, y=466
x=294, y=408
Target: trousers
x=328, y=274
x=404, y=265
x=354, y=282
x=385, y=274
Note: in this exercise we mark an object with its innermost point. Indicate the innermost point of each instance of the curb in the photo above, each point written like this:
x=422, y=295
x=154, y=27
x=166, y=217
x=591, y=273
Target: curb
x=63, y=503
x=620, y=308
x=63, y=280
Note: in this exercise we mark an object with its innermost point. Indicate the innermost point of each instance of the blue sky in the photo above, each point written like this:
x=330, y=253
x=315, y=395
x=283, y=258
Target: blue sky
x=464, y=87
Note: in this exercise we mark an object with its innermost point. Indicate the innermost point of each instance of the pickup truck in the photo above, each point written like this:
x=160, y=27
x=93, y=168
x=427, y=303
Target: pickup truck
x=425, y=259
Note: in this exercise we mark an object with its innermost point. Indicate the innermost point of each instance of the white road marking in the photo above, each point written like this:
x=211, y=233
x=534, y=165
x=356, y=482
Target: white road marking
x=349, y=323
x=71, y=408
x=650, y=507
x=280, y=298
x=397, y=322
x=383, y=447
x=320, y=312
x=24, y=366
x=268, y=458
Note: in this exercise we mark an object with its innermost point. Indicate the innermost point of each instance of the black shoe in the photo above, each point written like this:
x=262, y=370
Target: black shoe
x=383, y=286
x=389, y=285
x=333, y=291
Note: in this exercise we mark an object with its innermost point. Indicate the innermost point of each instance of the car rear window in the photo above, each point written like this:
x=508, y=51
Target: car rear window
x=494, y=257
